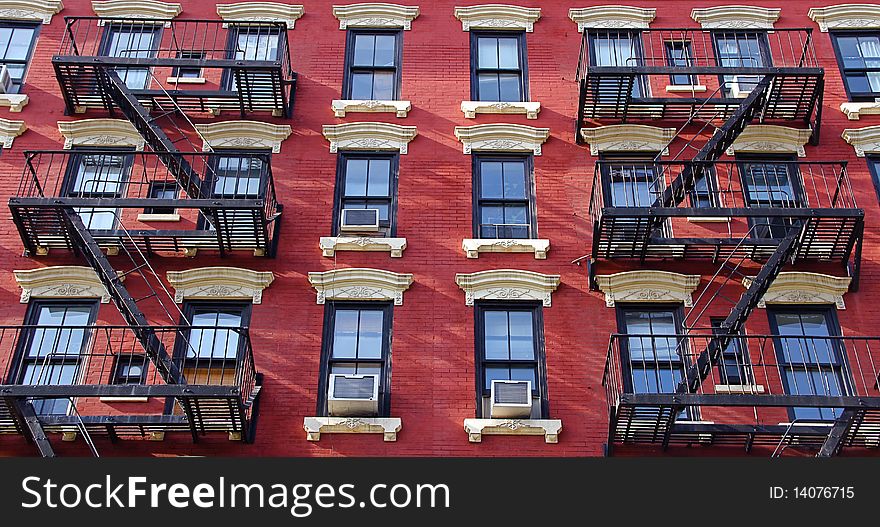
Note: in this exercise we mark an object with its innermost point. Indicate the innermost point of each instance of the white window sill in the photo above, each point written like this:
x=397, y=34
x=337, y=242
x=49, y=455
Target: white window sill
x=124, y=399
x=342, y=106
x=158, y=217
x=474, y=246
x=330, y=244
x=15, y=101
x=185, y=80
x=685, y=88
x=854, y=110
x=726, y=389
x=472, y=108
x=387, y=426
x=708, y=219
x=477, y=428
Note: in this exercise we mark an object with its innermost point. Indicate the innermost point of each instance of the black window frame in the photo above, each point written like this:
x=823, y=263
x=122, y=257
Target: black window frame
x=736, y=358
x=330, y=309
x=641, y=87
x=540, y=390
x=211, y=177
x=132, y=24
x=184, y=72
x=129, y=359
x=388, y=228
x=14, y=24
x=75, y=161
x=834, y=35
x=156, y=187
x=873, y=161
x=227, y=78
x=771, y=226
x=522, y=71
x=763, y=48
x=686, y=61
x=349, y=67
x=531, y=194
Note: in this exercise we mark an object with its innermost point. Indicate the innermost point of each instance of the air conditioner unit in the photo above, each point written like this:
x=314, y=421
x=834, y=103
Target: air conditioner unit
x=511, y=399
x=359, y=220
x=353, y=395
x=742, y=85
x=5, y=80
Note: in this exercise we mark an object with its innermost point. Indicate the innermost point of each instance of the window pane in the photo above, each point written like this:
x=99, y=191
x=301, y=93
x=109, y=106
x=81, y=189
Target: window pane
x=385, y=50
x=361, y=86
x=356, y=171
x=495, y=373
x=515, y=215
x=20, y=43
x=524, y=373
x=490, y=216
x=488, y=87
x=383, y=85
x=345, y=332
x=487, y=52
x=522, y=340
x=509, y=88
x=491, y=180
x=379, y=176
x=508, y=53
x=363, y=50
x=370, y=334
x=496, y=335
x=514, y=180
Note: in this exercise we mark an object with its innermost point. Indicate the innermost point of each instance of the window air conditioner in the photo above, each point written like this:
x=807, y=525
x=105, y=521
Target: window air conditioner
x=359, y=220
x=353, y=395
x=5, y=80
x=511, y=399
x=742, y=85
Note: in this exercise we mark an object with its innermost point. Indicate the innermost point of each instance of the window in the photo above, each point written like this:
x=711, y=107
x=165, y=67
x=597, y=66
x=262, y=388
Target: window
x=97, y=176
x=132, y=40
x=812, y=363
x=874, y=168
x=504, y=202
x=210, y=350
x=773, y=182
x=367, y=181
x=53, y=354
x=858, y=55
x=499, y=67
x=679, y=55
x=510, y=347
x=630, y=180
x=357, y=341
x=16, y=47
x=188, y=72
x=235, y=175
x=618, y=49
x=372, y=65
x=130, y=369
x=162, y=190
x=705, y=192
x=737, y=49
x=735, y=366
x=251, y=42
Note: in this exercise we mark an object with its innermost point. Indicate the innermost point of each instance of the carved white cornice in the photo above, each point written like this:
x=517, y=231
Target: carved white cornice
x=136, y=9
x=846, y=16
x=855, y=110
x=100, y=132
x=769, y=138
x=342, y=106
x=648, y=286
x=627, y=138
x=736, y=17
x=805, y=288
x=14, y=101
x=471, y=108
x=502, y=138
x=41, y=10
x=261, y=12
x=330, y=244
x=387, y=426
x=612, y=17
x=9, y=130
x=477, y=428
x=864, y=140
x=63, y=281
x=375, y=15
x=219, y=283
x=360, y=284
x=474, y=246
x=497, y=16
x=507, y=284
x=369, y=136
x=243, y=134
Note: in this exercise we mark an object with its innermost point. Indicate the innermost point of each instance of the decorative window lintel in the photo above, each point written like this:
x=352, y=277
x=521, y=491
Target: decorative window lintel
x=497, y=16
x=219, y=283
x=62, y=281
x=502, y=138
x=243, y=134
x=768, y=138
x=14, y=101
x=628, y=138
x=342, y=106
x=736, y=17
x=9, y=130
x=805, y=288
x=41, y=10
x=136, y=9
x=261, y=12
x=507, y=284
x=472, y=108
x=331, y=244
x=100, y=132
x=477, y=428
x=648, y=286
x=387, y=426
x=846, y=16
x=864, y=140
x=612, y=17
x=855, y=110
x=360, y=284
x=474, y=246
x=375, y=15
x=369, y=136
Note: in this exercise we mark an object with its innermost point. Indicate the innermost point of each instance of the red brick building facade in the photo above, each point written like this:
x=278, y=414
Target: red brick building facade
x=434, y=339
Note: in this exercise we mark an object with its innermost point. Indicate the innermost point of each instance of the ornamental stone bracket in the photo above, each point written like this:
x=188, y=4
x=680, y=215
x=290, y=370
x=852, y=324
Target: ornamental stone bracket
x=219, y=283
x=736, y=17
x=387, y=426
x=14, y=101
x=501, y=138
x=369, y=136
x=846, y=16
x=375, y=15
x=41, y=10
x=628, y=138
x=243, y=134
x=864, y=140
x=100, y=132
x=477, y=428
x=768, y=138
x=136, y=9
x=9, y=130
x=497, y=16
x=358, y=283
x=805, y=288
x=331, y=244
x=261, y=12
x=472, y=108
x=341, y=107
x=473, y=247
x=612, y=17
x=507, y=284
x=855, y=110
x=62, y=281
x=648, y=286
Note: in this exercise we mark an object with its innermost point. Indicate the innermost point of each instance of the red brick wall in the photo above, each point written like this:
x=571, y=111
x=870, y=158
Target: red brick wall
x=433, y=335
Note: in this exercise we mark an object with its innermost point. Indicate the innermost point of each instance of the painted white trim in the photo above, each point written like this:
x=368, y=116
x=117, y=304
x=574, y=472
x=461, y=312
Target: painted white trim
x=846, y=16
x=507, y=284
x=369, y=136
x=261, y=12
x=477, y=428
x=41, y=10
x=219, y=283
x=60, y=281
x=648, y=286
x=500, y=137
x=375, y=15
x=357, y=283
x=387, y=426
x=497, y=16
x=612, y=17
